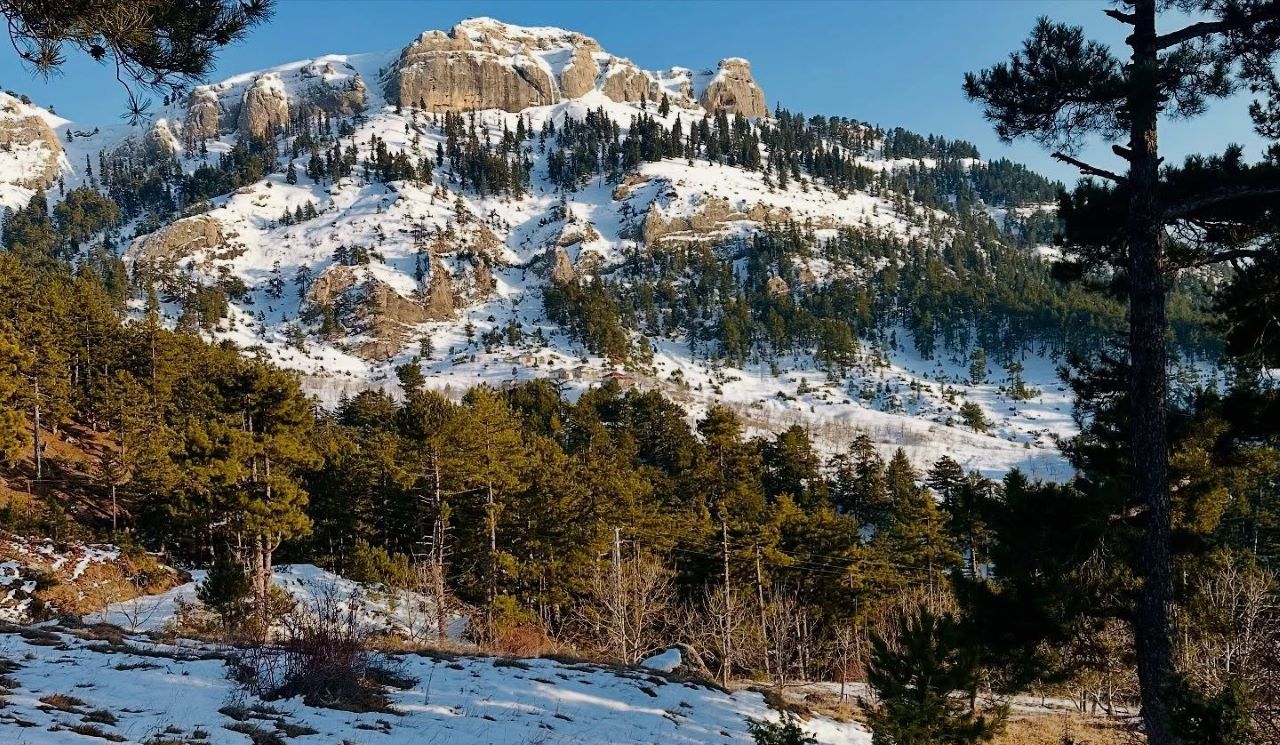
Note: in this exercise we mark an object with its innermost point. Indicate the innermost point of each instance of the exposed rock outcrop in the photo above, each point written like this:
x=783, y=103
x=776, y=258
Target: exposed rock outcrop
x=372, y=308
x=204, y=115
x=579, y=76
x=734, y=90
x=624, y=82
x=179, y=240
x=266, y=107
x=159, y=142
x=336, y=97
x=562, y=271
x=29, y=149
x=440, y=301
x=451, y=72
x=706, y=220
x=577, y=232
x=485, y=64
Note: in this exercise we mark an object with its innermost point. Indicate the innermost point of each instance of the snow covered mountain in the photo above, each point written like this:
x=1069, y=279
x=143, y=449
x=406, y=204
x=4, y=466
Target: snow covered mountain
x=344, y=215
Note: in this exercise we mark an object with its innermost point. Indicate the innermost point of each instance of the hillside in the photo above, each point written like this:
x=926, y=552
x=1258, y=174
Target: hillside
x=317, y=215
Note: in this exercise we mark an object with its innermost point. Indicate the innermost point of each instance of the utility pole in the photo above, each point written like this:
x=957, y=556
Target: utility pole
x=39, y=456
x=619, y=612
x=727, y=642
x=764, y=629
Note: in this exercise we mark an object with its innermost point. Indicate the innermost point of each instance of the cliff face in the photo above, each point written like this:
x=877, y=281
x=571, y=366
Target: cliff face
x=30, y=153
x=456, y=72
x=256, y=105
x=485, y=64
x=624, y=82
x=265, y=109
x=734, y=90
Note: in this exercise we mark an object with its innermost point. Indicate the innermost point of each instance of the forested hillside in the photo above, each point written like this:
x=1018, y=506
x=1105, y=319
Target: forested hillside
x=563, y=356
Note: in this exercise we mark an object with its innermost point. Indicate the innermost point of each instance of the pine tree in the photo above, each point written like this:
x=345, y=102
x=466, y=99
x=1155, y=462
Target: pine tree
x=291, y=174
x=14, y=363
x=1060, y=88
x=978, y=366
x=915, y=679
x=973, y=417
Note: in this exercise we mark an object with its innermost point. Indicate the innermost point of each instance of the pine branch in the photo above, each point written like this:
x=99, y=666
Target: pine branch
x=1089, y=170
x=1121, y=16
x=1186, y=208
x=1269, y=12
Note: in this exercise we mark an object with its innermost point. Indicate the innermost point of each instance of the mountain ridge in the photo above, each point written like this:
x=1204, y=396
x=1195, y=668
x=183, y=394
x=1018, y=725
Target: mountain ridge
x=308, y=217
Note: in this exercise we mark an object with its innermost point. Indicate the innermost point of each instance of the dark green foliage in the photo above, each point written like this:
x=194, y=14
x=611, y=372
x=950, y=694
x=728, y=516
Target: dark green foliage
x=225, y=591
x=1221, y=719
x=785, y=731
x=171, y=45
x=916, y=677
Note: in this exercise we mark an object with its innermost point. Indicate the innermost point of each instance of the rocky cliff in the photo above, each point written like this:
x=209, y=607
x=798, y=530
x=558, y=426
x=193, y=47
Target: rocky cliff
x=30, y=154
x=733, y=89
x=485, y=64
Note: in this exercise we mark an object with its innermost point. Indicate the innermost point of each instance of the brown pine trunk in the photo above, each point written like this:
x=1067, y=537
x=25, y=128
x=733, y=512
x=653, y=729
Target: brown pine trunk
x=1147, y=355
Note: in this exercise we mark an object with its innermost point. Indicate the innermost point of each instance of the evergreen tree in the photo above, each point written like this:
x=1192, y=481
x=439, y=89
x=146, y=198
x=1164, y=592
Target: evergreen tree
x=1060, y=88
x=915, y=680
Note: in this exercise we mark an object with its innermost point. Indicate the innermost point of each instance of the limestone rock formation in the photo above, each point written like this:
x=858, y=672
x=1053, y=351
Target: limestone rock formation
x=374, y=310
x=336, y=97
x=451, y=72
x=204, y=115
x=179, y=240
x=266, y=107
x=562, y=271
x=706, y=220
x=29, y=149
x=579, y=76
x=734, y=90
x=624, y=82
x=440, y=301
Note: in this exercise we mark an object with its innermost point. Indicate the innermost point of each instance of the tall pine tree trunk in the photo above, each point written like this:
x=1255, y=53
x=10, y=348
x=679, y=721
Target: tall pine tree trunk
x=1147, y=355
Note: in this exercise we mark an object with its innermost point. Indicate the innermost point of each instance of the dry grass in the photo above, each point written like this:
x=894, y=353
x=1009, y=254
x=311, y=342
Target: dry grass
x=1055, y=729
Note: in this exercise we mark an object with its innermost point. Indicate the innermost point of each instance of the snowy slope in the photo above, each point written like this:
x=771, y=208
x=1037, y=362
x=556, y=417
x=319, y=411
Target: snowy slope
x=69, y=686
x=514, y=241
x=387, y=611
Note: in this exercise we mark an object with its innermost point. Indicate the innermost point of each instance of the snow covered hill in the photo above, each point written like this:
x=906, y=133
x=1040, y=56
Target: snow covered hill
x=444, y=272
x=77, y=684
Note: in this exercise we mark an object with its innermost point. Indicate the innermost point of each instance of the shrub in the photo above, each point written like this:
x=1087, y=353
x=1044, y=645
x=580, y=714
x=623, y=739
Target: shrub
x=324, y=656
x=916, y=680
x=785, y=731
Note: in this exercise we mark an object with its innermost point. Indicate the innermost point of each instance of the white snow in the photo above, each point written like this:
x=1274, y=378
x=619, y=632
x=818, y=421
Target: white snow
x=666, y=661
x=382, y=610
x=175, y=690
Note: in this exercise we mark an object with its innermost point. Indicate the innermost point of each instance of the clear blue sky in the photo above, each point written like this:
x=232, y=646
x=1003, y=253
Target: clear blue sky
x=891, y=63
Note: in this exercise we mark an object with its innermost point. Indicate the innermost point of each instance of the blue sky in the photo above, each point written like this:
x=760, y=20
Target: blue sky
x=891, y=63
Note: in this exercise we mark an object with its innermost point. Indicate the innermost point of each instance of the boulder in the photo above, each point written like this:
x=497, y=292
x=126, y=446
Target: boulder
x=734, y=90
x=179, y=240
